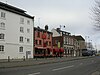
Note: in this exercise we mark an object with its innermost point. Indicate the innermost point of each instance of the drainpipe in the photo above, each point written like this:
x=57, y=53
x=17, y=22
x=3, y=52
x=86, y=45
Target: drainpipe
x=33, y=37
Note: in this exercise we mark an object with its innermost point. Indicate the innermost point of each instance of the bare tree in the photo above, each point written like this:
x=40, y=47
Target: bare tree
x=96, y=14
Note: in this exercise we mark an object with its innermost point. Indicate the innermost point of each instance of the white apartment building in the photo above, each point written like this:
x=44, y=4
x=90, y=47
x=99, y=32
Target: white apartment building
x=16, y=33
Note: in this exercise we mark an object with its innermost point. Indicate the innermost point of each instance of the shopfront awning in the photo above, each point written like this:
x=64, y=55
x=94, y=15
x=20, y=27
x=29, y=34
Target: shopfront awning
x=56, y=50
x=50, y=49
x=61, y=50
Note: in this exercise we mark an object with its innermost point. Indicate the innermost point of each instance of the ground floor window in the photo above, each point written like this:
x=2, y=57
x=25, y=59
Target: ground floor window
x=20, y=49
x=1, y=47
x=39, y=51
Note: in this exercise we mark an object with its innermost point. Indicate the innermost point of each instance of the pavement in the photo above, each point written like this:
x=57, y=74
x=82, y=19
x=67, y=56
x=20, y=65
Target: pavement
x=31, y=62
x=88, y=66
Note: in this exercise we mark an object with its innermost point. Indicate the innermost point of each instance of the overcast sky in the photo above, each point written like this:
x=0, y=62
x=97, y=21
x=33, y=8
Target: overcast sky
x=74, y=14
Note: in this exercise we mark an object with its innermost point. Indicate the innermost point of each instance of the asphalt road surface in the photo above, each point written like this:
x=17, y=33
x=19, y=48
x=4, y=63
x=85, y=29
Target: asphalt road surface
x=90, y=66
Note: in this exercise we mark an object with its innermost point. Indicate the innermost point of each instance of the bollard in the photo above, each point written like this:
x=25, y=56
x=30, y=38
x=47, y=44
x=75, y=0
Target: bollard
x=8, y=58
x=23, y=58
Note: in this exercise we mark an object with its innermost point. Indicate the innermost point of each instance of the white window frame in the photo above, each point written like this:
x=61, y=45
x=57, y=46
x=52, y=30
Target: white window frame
x=28, y=40
x=22, y=20
x=28, y=30
x=1, y=48
x=22, y=29
x=28, y=22
x=2, y=25
x=2, y=36
x=21, y=49
x=21, y=39
x=3, y=15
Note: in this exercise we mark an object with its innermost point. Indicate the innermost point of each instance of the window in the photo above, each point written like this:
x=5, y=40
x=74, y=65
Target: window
x=20, y=49
x=28, y=40
x=48, y=36
x=2, y=36
x=2, y=25
x=40, y=42
x=64, y=40
x=28, y=30
x=28, y=22
x=36, y=42
x=49, y=43
x=1, y=48
x=22, y=29
x=38, y=34
x=29, y=52
x=56, y=41
x=21, y=39
x=3, y=15
x=22, y=20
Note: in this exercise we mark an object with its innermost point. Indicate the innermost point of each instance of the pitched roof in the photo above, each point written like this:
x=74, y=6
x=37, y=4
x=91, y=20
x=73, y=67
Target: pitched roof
x=59, y=30
x=79, y=38
x=14, y=9
x=40, y=29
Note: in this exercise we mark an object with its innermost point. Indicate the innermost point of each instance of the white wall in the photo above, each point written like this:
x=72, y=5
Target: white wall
x=12, y=34
x=55, y=33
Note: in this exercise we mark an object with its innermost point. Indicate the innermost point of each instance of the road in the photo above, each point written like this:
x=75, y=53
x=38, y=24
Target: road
x=90, y=66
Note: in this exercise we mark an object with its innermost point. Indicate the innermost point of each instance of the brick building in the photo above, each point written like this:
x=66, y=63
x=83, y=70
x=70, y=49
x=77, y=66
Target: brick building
x=42, y=42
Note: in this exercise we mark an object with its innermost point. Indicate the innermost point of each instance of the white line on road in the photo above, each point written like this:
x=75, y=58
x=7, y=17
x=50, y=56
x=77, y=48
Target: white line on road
x=63, y=68
x=34, y=73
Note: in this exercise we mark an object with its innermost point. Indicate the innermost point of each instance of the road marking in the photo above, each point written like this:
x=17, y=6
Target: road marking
x=34, y=73
x=63, y=68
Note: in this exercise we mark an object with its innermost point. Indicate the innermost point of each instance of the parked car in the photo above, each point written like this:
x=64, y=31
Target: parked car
x=88, y=53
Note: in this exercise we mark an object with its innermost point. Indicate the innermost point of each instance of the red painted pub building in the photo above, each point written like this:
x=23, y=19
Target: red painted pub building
x=42, y=43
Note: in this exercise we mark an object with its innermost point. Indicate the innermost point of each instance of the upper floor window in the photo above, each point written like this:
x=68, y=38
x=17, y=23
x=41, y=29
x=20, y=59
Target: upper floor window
x=28, y=30
x=21, y=39
x=2, y=36
x=56, y=41
x=28, y=22
x=28, y=40
x=36, y=42
x=22, y=20
x=20, y=49
x=1, y=47
x=38, y=34
x=40, y=42
x=49, y=43
x=3, y=15
x=2, y=25
x=22, y=29
x=48, y=36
